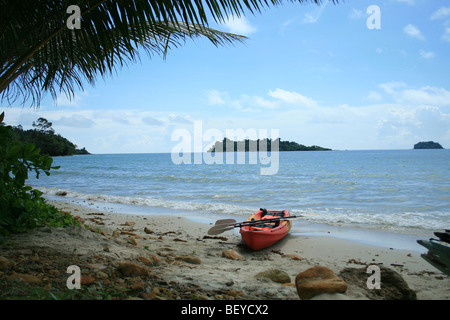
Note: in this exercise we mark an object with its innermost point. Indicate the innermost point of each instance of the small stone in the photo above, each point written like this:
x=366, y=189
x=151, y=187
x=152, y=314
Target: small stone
x=127, y=232
x=146, y=261
x=293, y=257
x=275, y=275
x=189, y=259
x=148, y=231
x=86, y=280
x=24, y=277
x=156, y=260
x=102, y=275
x=235, y=293
x=129, y=223
x=133, y=241
x=128, y=269
x=229, y=283
x=5, y=263
x=318, y=280
x=136, y=284
x=291, y=284
x=232, y=254
x=151, y=260
x=148, y=295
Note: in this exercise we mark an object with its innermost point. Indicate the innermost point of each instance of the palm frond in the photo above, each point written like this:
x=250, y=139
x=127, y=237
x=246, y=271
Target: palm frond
x=38, y=53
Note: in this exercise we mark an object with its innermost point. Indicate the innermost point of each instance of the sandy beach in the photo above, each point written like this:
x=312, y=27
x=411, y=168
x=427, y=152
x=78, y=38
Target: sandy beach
x=178, y=252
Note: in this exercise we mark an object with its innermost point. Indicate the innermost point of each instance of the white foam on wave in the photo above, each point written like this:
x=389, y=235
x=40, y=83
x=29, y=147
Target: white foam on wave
x=408, y=222
x=398, y=222
x=215, y=207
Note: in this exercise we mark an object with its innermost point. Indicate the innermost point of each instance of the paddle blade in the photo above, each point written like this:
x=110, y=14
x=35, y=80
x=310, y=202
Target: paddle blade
x=226, y=221
x=219, y=229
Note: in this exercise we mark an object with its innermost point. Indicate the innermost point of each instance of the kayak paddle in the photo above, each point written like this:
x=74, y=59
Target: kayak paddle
x=229, y=224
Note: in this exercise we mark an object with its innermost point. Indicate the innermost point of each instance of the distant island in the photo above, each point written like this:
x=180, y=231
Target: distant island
x=428, y=145
x=44, y=137
x=250, y=145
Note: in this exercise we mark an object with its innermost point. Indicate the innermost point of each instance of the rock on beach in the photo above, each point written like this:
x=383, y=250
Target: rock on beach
x=392, y=286
x=129, y=269
x=318, y=280
x=275, y=275
x=232, y=254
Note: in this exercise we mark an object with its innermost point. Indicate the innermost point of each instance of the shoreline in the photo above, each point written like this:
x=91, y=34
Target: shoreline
x=187, y=258
x=402, y=240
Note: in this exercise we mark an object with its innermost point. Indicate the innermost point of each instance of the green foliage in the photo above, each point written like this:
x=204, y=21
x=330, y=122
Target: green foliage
x=43, y=136
x=428, y=145
x=39, y=53
x=22, y=207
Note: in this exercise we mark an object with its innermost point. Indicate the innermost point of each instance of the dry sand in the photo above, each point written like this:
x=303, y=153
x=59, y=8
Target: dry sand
x=181, y=237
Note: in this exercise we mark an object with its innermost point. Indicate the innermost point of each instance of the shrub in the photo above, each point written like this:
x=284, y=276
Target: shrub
x=22, y=207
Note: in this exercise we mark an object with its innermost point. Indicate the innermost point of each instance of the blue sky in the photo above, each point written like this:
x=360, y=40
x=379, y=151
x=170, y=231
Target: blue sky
x=318, y=75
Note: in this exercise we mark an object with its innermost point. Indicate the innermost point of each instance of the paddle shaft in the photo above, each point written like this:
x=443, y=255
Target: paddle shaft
x=222, y=227
x=250, y=222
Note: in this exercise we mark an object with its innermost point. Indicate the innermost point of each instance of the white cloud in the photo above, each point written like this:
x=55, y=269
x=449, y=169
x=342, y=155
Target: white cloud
x=446, y=36
x=249, y=103
x=75, y=101
x=441, y=13
x=417, y=115
x=426, y=54
x=409, y=126
x=390, y=87
x=240, y=25
x=414, y=32
x=152, y=121
x=75, y=120
x=412, y=114
x=426, y=95
x=174, y=118
x=261, y=102
x=374, y=96
x=313, y=17
x=356, y=14
x=292, y=98
x=288, y=22
x=215, y=97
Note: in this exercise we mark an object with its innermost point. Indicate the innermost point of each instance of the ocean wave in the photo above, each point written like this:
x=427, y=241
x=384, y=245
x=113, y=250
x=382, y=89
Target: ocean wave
x=217, y=208
x=398, y=222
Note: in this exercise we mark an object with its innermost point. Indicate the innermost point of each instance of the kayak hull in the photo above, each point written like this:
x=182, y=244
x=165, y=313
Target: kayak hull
x=260, y=238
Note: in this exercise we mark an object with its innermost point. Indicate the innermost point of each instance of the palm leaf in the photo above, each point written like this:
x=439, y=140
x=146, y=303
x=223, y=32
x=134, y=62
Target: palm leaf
x=38, y=53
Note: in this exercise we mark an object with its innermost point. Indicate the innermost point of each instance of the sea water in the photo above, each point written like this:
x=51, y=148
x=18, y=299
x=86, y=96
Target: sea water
x=394, y=191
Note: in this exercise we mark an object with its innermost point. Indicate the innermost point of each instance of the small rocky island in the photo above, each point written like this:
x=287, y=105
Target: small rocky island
x=428, y=145
x=247, y=145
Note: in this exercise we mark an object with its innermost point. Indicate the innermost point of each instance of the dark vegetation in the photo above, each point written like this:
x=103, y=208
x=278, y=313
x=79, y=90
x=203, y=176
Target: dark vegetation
x=428, y=145
x=254, y=145
x=44, y=137
x=21, y=206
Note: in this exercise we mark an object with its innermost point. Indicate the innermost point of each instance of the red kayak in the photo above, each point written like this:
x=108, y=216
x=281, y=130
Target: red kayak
x=263, y=235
